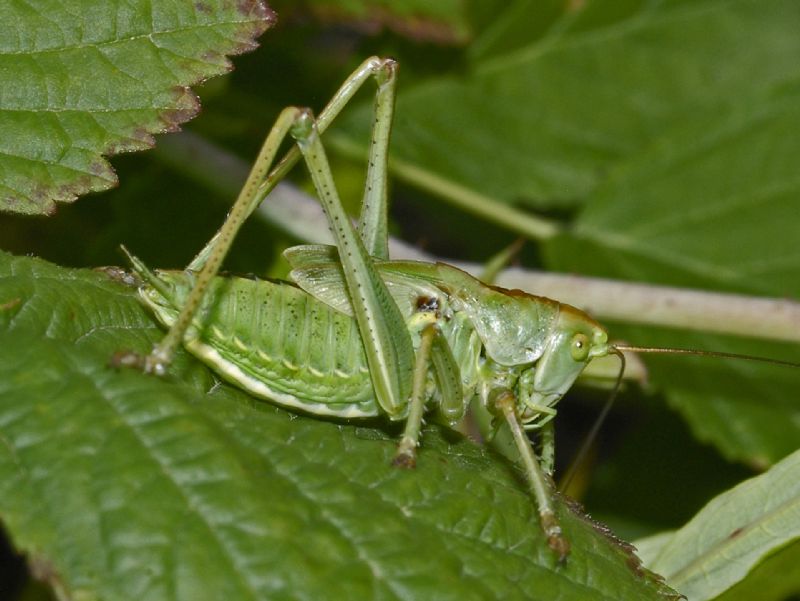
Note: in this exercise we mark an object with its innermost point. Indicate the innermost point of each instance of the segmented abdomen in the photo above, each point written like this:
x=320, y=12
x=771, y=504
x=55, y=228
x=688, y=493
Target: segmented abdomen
x=277, y=342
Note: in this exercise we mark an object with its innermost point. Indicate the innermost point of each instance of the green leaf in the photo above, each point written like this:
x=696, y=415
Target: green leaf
x=774, y=579
x=83, y=79
x=119, y=485
x=711, y=203
x=557, y=114
x=516, y=25
x=702, y=208
x=731, y=535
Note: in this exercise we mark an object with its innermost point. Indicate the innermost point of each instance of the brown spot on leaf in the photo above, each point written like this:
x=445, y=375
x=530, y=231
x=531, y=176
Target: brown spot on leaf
x=41, y=196
x=257, y=11
x=210, y=56
x=259, y=17
x=6, y=306
x=96, y=168
x=67, y=192
x=142, y=136
x=187, y=107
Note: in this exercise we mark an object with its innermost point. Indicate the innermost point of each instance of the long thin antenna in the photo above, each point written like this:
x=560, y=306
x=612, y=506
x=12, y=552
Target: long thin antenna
x=617, y=350
x=592, y=435
x=686, y=351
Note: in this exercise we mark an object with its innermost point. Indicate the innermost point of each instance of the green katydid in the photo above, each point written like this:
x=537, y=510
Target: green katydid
x=357, y=335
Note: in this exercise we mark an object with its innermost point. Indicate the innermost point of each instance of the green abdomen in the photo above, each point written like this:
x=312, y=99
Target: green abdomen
x=277, y=342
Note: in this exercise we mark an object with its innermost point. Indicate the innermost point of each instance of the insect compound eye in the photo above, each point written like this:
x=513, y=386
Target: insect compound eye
x=579, y=347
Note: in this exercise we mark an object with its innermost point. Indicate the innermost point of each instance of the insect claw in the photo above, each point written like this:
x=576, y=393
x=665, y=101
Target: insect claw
x=405, y=459
x=151, y=365
x=555, y=537
x=561, y=546
x=127, y=359
x=146, y=363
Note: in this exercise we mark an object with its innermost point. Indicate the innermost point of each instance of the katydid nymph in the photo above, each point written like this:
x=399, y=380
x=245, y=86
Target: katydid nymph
x=356, y=335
